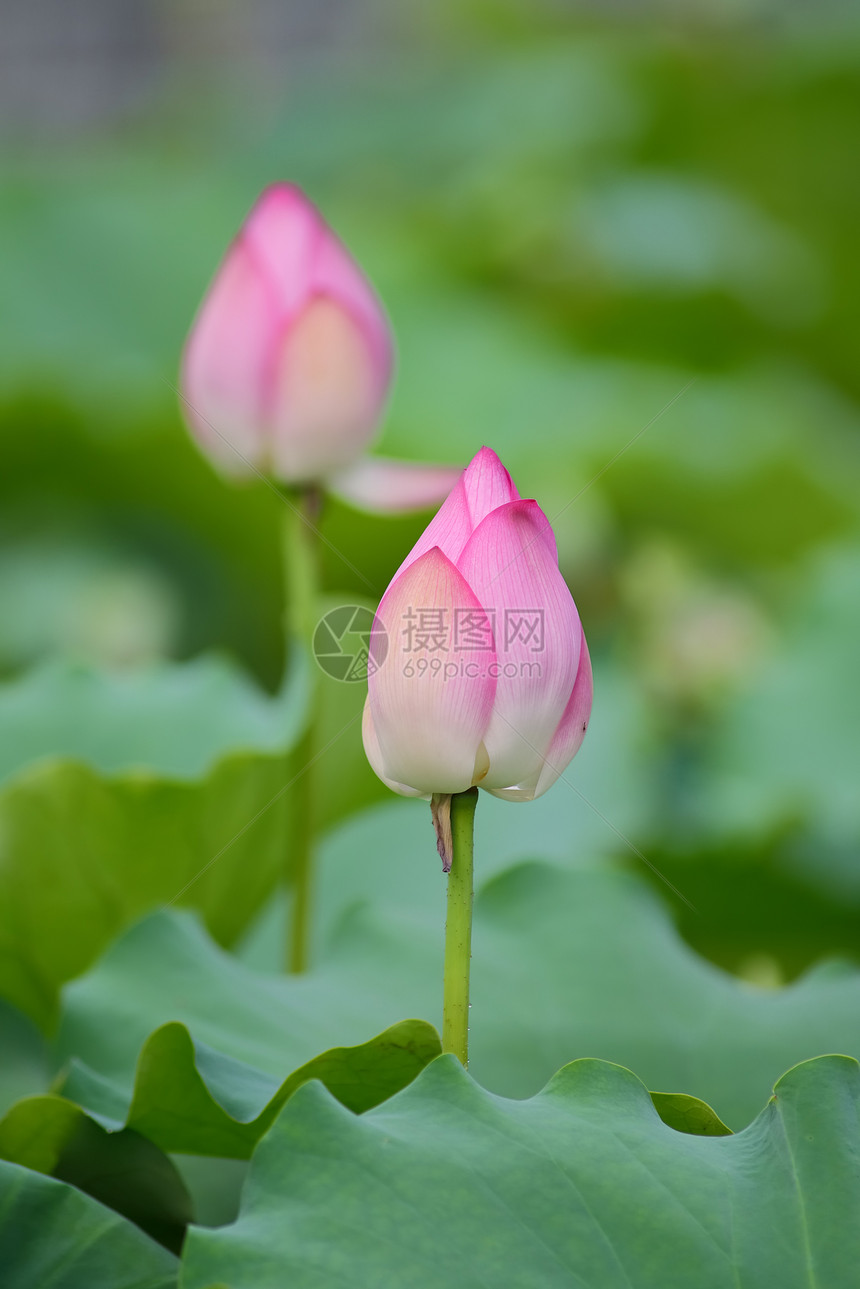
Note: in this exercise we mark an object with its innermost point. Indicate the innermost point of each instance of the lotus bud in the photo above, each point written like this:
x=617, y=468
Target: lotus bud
x=289, y=360
x=483, y=674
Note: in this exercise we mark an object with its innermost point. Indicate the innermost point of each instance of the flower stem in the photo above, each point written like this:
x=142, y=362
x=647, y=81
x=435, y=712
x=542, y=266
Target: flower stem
x=458, y=927
x=301, y=571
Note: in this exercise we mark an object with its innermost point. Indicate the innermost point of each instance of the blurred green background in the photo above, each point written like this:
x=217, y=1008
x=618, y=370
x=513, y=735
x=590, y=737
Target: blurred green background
x=618, y=245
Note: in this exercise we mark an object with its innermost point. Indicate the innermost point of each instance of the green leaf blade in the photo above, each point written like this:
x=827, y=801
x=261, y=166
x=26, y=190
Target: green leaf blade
x=122, y=1170
x=51, y=1234
x=582, y=1185
x=190, y=1099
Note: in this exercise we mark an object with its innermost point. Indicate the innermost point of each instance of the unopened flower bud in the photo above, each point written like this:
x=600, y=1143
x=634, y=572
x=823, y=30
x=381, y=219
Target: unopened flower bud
x=486, y=679
x=289, y=360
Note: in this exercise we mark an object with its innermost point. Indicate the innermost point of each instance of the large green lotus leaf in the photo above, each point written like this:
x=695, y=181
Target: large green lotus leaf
x=51, y=1234
x=565, y=964
x=122, y=1169
x=581, y=1185
x=163, y=787
x=191, y=1099
x=24, y=1059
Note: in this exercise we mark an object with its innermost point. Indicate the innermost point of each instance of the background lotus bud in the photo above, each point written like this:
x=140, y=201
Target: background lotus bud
x=289, y=360
x=486, y=680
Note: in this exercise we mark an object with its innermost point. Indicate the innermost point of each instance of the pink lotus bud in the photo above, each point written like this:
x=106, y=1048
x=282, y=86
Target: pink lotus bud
x=289, y=360
x=483, y=672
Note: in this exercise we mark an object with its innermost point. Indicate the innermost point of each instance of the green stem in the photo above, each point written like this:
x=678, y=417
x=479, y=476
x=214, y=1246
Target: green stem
x=458, y=927
x=301, y=570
